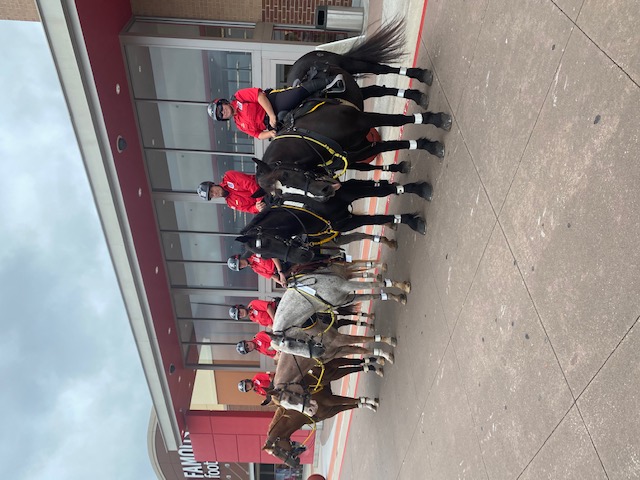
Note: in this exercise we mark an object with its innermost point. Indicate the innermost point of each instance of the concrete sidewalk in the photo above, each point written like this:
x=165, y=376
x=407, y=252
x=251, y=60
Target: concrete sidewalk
x=519, y=348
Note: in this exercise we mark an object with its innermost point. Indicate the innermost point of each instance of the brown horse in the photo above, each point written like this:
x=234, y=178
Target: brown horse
x=286, y=422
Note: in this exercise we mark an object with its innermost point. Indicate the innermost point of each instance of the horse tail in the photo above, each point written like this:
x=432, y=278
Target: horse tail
x=386, y=45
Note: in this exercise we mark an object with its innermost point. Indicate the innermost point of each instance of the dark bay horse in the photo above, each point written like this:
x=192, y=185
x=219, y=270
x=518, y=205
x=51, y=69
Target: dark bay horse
x=297, y=228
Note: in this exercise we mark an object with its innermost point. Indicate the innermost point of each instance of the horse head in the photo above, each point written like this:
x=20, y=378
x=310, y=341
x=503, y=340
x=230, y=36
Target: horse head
x=285, y=449
x=279, y=442
x=272, y=245
x=282, y=178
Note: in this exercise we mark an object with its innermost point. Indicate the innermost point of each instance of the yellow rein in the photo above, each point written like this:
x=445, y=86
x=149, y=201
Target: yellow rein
x=327, y=231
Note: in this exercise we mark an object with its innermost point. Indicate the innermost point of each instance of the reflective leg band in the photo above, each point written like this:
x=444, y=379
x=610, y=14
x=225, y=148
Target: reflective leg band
x=401, y=92
x=403, y=71
x=388, y=282
x=376, y=239
x=397, y=219
x=384, y=296
x=369, y=264
x=413, y=145
x=399, y=189
x=377, y=338
x=418, y=118
x=376, y=184
x=348, y=258
x=385, y=168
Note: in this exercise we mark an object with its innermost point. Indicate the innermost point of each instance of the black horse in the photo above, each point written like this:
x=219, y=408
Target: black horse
x=298, y=229
x=328, y=137
x=384, y=46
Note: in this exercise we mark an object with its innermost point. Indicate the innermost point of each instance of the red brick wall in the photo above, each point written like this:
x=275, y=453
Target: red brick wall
x=19, y=10
x=229, y=10
x=298, y=12
x=295, y=12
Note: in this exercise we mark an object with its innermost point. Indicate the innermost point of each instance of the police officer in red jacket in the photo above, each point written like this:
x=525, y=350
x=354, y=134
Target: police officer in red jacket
x=255, y=111
x=260, y=343
x=239, y=190
x=261, y=312
x=270, y=268
x=260, y=383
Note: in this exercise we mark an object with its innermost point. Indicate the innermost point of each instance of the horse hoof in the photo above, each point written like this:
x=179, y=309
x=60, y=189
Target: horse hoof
x=402, y=299
x=390, y=358
x=393, y=341
x=392, y=244
x=383, y=267
x=372, y=316
x=425, y=191
x=439, y=150
x=405, y=287
x=380, y=372
x=427, y=76
x=404, y=167
x=446, y=122
x=424, y=100
x=418, y=224
x=371, y=326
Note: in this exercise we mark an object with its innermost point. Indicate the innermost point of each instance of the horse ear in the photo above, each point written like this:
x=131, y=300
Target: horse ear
x=261, y=167
x=242, y=239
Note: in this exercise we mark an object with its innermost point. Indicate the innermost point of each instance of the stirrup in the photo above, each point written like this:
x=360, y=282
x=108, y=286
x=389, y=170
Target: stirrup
x=337, y=85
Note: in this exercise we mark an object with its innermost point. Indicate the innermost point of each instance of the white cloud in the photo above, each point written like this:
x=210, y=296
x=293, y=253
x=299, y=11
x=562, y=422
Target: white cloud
x=74, y=400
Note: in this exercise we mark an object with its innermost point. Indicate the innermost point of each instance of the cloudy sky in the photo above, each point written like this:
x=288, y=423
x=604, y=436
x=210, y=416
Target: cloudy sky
x=74, y=403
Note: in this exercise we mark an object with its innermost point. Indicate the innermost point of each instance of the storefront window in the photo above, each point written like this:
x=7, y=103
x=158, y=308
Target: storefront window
x=182, y=171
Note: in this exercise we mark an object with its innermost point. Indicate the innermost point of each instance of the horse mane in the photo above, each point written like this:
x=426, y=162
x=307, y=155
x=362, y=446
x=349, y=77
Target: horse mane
x=386, y=45
x=267, y=180
x=254, y=221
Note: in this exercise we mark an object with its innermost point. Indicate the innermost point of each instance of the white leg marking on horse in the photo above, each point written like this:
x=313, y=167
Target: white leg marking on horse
x=401, y=91
x=413, y=145
x=403, y=71
x=417, y=117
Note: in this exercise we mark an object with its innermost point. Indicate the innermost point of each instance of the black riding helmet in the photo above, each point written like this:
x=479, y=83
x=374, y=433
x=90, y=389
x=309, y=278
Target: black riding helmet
x=214, y=109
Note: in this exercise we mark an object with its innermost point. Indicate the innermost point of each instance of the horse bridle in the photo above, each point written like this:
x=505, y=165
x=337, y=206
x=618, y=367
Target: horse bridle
x=293, y=242
x=285, y=455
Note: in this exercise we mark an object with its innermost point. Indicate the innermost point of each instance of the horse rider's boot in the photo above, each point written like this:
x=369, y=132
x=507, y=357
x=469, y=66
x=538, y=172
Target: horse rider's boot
x=422, y=189
x=336, y=85
x=326, y=85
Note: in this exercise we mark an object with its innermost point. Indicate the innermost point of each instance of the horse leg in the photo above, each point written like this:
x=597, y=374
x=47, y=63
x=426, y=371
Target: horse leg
x=368, y=120
x=433, y=147
x=380, y=283
x=413, y=221
x=417, y=96
x=343, y=372
x=356, y=189
x=343, y=239
x=400, y=297
x=402, y=167
x=370, y=403
x=354, y=65
x=344, y=340
x=336, y=409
